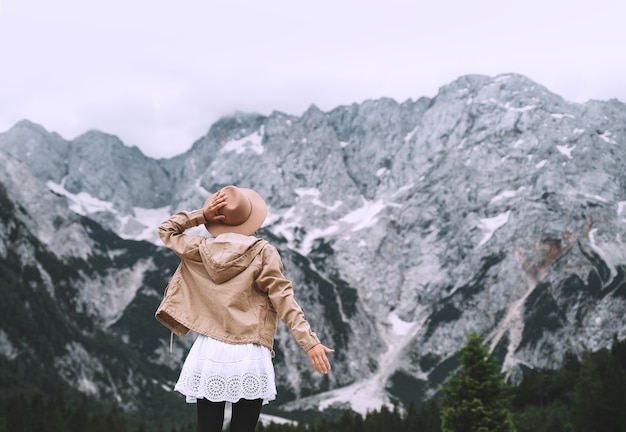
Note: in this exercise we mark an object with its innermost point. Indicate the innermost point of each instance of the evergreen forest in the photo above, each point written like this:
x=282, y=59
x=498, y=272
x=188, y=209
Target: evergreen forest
x=587, y=394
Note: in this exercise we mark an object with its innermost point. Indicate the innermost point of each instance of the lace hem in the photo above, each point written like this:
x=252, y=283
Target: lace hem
x=219, y=372
x=217, y=388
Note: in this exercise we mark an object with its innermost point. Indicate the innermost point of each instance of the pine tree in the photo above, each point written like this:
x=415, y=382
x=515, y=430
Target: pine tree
x=476, y=398
x=600, y=394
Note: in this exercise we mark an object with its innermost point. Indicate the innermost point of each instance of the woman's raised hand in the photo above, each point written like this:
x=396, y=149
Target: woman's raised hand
x=318, y=358
x=212, y=209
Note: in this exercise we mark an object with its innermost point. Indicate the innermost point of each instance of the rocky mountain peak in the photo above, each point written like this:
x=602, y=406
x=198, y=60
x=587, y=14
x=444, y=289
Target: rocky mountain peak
x=96, y=157
x=495, y=206
x=46, y=153
x=235, y=126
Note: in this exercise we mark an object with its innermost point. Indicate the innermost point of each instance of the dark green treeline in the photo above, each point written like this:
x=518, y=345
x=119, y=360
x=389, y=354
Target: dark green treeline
x=587, y=394
x=52, y=414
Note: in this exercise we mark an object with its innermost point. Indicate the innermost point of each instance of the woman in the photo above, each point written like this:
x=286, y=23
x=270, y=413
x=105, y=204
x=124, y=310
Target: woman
x=230, y=289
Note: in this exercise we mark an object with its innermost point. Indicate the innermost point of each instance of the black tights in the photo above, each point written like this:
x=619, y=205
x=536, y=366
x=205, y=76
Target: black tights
x=245, y=415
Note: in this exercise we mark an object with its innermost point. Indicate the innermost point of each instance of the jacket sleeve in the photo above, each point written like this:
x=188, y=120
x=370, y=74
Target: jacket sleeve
x=280, y=292
x=172, y=234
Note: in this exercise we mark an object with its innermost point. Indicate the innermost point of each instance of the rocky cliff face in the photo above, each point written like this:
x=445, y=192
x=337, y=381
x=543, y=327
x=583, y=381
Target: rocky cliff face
x=495, y=206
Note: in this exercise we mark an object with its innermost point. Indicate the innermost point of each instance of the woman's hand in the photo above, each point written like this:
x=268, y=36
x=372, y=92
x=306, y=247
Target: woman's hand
x=318, y=358
x=211, y=210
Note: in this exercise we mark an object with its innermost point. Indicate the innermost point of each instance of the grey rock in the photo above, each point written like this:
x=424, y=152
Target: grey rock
x=495, y=206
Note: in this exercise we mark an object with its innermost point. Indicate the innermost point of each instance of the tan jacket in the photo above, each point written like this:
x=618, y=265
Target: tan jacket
x=230, y=288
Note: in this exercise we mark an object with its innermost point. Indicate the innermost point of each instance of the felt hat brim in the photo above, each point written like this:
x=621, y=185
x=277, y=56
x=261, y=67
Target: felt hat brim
x=251, y=224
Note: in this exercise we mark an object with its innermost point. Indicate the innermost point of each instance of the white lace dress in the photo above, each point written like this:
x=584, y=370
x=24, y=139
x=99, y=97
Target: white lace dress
x=218, y=371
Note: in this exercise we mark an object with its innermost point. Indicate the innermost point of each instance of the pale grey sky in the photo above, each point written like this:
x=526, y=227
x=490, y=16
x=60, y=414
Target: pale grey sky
x=158, y=73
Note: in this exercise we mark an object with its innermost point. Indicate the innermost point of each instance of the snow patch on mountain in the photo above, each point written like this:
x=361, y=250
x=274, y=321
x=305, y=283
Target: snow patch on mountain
x=621, y=205
x=506, y=194
x=356, y=220
x=566, y=150
x=612, y=253
x=314, y=194
x=562, y=115
x=141, y=225
x=491, y=225
x=150, y=219
x=310, y=237
x=364, y=216
x=410, y=135
x=370, y=394
x=606, y=137
x=82, y=203
x=7, y=349
x=252, y=142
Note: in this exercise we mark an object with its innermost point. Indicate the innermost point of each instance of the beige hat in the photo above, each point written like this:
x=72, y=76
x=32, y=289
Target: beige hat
x=244, y=214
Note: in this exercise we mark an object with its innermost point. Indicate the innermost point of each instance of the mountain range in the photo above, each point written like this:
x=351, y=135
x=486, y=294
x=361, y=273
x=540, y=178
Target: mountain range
x=495, y=206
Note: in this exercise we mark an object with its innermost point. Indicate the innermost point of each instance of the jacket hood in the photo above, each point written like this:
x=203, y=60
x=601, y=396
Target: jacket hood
x=227, y=255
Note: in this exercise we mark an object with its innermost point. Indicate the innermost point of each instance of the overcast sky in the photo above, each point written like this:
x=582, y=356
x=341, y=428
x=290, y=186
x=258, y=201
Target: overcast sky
x=158, y=73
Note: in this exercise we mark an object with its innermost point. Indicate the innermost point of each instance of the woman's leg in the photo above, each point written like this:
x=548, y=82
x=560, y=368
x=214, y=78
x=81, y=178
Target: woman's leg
x=245, y=415
x=210, y=416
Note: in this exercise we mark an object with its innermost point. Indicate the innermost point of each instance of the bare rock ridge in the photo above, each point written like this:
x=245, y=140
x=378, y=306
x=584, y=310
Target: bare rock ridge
x=495, y=206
